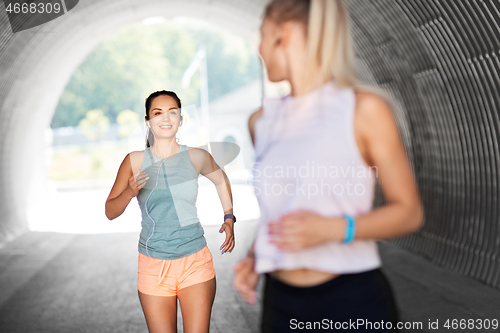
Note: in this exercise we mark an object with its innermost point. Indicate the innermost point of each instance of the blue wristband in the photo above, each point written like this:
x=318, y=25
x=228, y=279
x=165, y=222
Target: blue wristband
x=350, y=229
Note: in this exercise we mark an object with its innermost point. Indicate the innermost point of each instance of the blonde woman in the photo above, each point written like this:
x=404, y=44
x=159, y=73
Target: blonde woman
x=319, y=151
x=174, y=261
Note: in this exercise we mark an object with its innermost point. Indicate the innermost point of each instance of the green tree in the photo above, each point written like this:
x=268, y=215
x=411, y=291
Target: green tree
x=94, y=125
x=127, y=66
x=128, y=120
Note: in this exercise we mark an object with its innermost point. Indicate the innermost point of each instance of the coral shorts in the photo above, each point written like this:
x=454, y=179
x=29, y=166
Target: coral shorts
x=163, y=277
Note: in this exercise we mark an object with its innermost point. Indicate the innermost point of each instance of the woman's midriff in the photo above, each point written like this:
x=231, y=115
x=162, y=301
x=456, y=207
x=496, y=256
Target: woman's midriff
x=303, y=277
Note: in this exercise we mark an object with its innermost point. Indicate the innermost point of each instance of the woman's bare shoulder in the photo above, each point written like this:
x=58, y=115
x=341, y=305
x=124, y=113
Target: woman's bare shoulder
x=367, y=101
x=136, y=158
x=251, y=123
x=255, y=115
x=197, y=153
x=137, y=152
x=374, y=119
x=199, y=157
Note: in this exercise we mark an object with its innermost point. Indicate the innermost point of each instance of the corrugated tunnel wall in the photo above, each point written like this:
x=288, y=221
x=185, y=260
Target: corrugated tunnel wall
x=438, y=59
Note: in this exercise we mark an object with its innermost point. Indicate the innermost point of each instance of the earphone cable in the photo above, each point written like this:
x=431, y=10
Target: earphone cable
x=146, y=203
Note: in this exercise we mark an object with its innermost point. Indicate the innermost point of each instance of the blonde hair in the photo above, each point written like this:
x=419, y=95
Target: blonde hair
x=329, y=52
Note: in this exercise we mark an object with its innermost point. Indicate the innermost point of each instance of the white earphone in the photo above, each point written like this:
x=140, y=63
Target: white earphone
x=157, y=176
x=146, y=203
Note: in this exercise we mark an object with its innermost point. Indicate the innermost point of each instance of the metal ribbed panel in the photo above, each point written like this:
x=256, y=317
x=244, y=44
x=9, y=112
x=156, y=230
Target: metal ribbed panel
x=440, y=60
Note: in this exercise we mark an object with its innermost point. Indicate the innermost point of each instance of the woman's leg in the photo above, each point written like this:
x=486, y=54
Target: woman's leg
x=160, y=312
x=196, y=305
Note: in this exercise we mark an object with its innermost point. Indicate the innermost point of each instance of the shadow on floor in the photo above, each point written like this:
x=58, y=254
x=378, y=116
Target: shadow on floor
x=52, y=282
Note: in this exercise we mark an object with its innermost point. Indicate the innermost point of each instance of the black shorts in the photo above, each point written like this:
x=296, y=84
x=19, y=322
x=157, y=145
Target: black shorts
x=359, y=302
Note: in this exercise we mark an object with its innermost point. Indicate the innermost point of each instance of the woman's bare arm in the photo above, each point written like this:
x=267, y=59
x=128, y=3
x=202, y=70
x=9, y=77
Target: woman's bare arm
x=245, y=278
x=205, y=164
x=207, y=167
x=403, y=212
x=126, y=187
x=251, y=123
x=251, y=126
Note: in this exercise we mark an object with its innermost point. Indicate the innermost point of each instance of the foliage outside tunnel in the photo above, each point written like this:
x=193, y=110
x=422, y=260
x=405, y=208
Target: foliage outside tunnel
x=109, y=87
x=126, y=67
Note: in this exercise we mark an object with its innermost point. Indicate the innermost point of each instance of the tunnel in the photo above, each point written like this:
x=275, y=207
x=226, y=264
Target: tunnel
x=438, y=60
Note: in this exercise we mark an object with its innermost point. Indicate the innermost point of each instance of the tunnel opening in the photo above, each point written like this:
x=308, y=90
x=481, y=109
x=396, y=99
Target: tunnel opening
x=99, y=116
x=54, y=50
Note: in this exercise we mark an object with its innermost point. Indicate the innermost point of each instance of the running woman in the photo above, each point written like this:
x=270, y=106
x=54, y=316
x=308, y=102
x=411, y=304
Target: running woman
x=174, y=261
x=318, y=152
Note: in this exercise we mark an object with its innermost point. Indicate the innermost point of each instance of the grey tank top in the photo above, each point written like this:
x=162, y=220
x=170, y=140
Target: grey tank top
x=170, y=225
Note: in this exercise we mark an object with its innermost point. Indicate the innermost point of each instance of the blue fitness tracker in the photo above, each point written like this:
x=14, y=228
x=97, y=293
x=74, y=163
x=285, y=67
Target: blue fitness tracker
x=350, y=229
x=230, y=216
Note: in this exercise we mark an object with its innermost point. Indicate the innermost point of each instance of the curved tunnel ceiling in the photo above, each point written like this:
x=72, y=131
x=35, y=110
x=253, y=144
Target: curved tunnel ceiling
x=437, y=58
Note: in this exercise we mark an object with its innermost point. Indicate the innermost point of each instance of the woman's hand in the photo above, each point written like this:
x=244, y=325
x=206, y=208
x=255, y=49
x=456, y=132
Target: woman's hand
x=303, y=229
x=245, y=279
x=136, y=182
x=228, y=244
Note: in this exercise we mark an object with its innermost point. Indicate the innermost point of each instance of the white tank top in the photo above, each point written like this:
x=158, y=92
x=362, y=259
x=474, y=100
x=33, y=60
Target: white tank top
x=307, y=158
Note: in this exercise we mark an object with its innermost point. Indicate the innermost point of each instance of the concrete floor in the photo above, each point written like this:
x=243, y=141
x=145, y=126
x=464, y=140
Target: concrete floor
x=55, y=282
